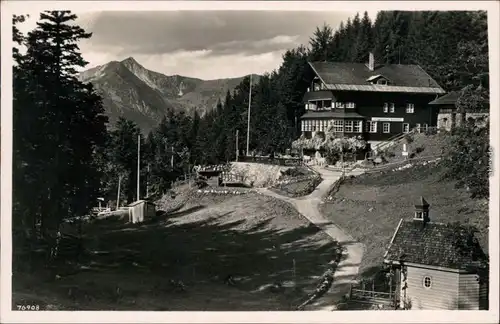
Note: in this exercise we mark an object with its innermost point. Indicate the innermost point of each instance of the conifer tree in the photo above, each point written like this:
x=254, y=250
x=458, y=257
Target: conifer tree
x=59, y=122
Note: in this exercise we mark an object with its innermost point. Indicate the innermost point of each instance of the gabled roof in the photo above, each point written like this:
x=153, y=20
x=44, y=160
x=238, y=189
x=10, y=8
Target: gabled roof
x=432, y=245
x=448, y=99
x=353, y=76
x=422, y=202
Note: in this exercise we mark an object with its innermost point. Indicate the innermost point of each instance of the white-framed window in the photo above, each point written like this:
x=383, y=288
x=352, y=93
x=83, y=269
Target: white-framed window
x=307, y=125
x=386, y=107
x=339, y=105
x=338, y=125
x=410, y=108
x=322, y=125
x=426, y=127
x=418, y=215
x=350, y=105
x=386, y=127
x=382, y=81
x=349, y=125
x=418, y=127
x=372, y=126
x=427, y=282
x=406, y=128
x=391, y=107
x=358, y=126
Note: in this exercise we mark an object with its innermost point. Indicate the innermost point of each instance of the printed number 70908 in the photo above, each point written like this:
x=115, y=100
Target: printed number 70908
x=28, y=307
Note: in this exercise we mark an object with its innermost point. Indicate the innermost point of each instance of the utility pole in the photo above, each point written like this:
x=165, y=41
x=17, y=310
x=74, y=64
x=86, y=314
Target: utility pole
x=172, y=158
x=248, y=119
x=138, y=165
x=147, y=183
x=237, y=151
x=118, y=195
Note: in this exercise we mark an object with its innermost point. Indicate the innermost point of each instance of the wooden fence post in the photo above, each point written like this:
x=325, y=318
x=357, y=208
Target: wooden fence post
x=390, y=286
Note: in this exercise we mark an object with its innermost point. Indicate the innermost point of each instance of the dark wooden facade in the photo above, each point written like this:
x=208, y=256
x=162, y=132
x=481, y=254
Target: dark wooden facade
x=394, y=106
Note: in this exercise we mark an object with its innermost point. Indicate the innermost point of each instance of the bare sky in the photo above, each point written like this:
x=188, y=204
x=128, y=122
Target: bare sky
x=203, y=44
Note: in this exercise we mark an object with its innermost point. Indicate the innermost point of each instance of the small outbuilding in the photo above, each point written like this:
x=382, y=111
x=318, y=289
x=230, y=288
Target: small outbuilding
x=140, y=210
x=449, y=117
x=437, y=266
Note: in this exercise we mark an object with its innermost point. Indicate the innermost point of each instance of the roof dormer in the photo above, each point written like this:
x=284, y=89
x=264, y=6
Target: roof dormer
x=379, y=79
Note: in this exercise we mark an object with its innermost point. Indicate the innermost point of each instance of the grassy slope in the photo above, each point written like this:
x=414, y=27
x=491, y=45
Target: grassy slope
x=254, y=237
x=422, y=145
x=297, y=189
x=370, y=207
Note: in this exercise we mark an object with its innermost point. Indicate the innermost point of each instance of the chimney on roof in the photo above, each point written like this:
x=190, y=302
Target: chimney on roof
x=422, y=211
x=371, y=62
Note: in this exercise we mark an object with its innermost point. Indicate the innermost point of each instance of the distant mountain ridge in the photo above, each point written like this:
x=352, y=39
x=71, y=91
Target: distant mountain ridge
x=144, y=96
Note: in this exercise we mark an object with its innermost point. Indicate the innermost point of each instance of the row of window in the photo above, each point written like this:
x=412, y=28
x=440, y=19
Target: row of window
x=353, y=126
x=324, y=104
x=371, y=127
x=339, y=125
x=390, y=107
x=347, y=126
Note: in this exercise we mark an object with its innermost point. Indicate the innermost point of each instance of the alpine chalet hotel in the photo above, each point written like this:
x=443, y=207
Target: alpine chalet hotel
x=375, y=102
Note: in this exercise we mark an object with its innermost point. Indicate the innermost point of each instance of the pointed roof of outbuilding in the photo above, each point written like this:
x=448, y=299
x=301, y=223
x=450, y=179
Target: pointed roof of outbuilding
x=421, y=202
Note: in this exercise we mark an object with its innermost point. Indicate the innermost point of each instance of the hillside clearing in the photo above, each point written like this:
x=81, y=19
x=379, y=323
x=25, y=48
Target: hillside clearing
x=420, y=145
x=370, y=206
x=256, y=239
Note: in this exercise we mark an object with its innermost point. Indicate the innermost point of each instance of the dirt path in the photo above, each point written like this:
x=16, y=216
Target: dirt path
x=347, y=270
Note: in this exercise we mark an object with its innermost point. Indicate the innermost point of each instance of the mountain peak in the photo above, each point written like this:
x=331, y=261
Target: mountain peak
x=130, y=61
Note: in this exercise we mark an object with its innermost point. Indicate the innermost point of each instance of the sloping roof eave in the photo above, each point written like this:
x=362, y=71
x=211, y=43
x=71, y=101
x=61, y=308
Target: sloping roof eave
x=384, y=88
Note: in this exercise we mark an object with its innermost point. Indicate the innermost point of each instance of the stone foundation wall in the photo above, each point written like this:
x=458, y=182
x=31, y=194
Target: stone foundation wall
x=449, y=120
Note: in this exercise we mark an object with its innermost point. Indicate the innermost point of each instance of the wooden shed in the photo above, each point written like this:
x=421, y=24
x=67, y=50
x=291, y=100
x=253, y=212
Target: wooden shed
x=140, y=210
x=438, y=266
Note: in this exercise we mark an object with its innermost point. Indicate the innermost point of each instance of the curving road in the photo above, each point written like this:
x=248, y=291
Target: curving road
x=308, y=206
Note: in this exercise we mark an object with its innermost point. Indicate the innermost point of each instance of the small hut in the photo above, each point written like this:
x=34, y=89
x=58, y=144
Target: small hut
x=140, y=210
